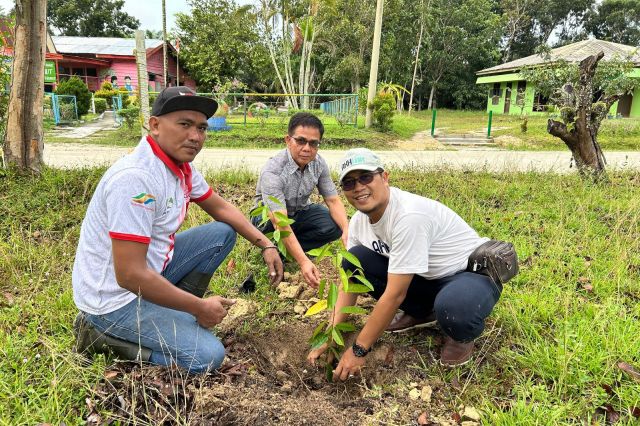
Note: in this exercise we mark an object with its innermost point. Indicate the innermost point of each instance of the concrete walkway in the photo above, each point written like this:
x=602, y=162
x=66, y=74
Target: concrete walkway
x=106, y=122
x=68, y=155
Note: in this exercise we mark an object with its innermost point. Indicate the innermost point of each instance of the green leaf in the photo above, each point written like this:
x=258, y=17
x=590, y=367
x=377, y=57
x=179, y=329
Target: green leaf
x=344, y=279
x=328, y=372
x=284, y=234
x=280, y=216
x=363, y=280
x=320, y=340
x=276, y=235
x=319, y=252
x=337, y=337
x=275, y=200
x=323, y=283
x=257, y=211
x=282, y=248
x=358, y=288
x=319, y=306
x=332, y=296
x=353, y=310
x=265, y=215
x=318, y=330
x=345, y=326
x=351, y=258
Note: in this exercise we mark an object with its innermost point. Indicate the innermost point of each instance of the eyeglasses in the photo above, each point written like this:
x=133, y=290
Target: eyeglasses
x=348, y=184
x=302, y=141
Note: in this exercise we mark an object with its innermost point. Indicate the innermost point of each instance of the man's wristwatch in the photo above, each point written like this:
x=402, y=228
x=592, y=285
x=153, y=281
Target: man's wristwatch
x=359, y=351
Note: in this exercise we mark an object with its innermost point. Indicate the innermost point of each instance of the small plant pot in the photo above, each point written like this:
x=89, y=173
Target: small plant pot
x=218, y=124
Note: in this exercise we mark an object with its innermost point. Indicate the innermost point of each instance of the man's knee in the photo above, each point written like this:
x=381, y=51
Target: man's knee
x=207, y=355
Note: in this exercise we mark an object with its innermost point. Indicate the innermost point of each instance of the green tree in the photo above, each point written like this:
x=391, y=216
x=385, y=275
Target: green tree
x=90, y=18
x=76, y=87
x=615, y=20
x=220, y=41
x=584, y=94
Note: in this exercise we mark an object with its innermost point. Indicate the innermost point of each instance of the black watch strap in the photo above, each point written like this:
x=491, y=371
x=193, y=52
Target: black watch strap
x=359, y=351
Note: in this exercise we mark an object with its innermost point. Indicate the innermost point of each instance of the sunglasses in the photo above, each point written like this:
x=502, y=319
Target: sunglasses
x=302, y=141
x=348, y=184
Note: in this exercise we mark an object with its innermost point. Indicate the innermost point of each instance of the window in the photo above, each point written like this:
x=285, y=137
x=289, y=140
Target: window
x=495, y=94
x=92, y=72
x=540, y=102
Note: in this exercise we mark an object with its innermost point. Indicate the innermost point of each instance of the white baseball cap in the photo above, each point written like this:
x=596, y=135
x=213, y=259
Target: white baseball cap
x=359, y=159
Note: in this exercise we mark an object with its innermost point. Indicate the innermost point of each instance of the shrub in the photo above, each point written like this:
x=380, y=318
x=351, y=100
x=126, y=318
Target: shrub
x=130, y=115
x=363, y=93
x=384, y=106
x=76, y=87
x=106, y=92
x=101, y=105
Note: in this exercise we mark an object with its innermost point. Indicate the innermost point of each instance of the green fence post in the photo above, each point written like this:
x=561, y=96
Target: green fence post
x=244, y=100
x=433, y=122
x=489, y=125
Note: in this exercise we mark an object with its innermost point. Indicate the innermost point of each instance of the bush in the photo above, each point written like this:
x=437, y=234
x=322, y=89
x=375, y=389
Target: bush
x=384, y=106
x=106, y=92
x=101, y=105
x=363, y=93
x=76, y=87
x=130, y=115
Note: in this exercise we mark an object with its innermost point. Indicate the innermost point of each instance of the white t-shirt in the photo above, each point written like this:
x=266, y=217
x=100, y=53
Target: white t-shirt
x=419, y=236
x=143, y=197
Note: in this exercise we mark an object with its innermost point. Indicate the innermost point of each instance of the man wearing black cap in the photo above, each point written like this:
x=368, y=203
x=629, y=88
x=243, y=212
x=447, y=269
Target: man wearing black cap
x=138, y=283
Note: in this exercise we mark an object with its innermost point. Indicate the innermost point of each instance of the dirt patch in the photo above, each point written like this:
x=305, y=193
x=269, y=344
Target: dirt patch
x=509, y=142
x=419, y=142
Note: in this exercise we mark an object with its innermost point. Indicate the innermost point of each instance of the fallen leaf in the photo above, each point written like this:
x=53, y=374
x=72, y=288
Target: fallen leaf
x=607, y=389
x=231, y=265
x=456, y=417
x=628, y=368
x=423, y=419
x=584, y=280
x=388, y=359
x=111, y=374
x=611, y=416
x=587, y=287
x=635, y=412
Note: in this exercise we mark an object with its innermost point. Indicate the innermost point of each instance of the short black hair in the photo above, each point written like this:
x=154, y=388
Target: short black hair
x=305, y=119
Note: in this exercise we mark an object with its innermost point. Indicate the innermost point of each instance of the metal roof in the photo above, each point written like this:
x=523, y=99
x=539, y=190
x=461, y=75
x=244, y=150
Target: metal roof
x=100, y=45
x=574, y=52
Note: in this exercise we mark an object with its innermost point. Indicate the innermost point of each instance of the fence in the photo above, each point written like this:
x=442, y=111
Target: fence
x=62, y=108
x=276, y=108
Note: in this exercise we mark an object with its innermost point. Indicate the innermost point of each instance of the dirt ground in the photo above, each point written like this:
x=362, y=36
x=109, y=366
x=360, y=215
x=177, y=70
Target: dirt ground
x=266, y=380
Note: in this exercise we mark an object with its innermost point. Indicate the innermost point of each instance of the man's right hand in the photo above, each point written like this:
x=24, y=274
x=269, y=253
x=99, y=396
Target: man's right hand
x=310, y=273
x=212, y=310
x=314, y=354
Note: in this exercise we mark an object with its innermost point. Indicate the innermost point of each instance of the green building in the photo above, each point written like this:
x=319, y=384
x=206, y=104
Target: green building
x=509, y=93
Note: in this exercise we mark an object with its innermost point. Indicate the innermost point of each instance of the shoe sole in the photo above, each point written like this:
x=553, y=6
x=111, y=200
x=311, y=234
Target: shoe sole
x=431, y=324
x=455, y=365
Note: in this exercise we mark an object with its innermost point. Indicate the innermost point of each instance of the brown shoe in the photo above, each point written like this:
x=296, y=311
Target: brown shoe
x=455, y=353
x=404, y=322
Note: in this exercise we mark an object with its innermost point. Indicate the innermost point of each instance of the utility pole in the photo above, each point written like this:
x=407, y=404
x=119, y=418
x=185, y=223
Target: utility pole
x=24, y=137
x=375, y=55
x=143, y=80
x=164, y=43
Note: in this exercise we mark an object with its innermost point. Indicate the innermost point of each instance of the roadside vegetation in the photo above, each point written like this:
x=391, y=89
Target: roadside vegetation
x=550, y=353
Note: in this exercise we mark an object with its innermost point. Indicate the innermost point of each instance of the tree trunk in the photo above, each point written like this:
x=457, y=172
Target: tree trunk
x=24, y=139
x=431, y=95
x=165, y=70
x=375, y=55
x=582, y=137
x=415, y=66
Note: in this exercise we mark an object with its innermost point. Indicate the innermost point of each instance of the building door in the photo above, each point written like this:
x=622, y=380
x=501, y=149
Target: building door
x=507, y=98
x=624, y=105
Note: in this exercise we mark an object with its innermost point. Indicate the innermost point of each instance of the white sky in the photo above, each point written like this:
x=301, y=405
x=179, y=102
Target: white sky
x=148, y=12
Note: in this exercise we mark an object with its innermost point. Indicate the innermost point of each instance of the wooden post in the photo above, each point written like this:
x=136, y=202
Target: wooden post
x=24, y=142
x=143, y=80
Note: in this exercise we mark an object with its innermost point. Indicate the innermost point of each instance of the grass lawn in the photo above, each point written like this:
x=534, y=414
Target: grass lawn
x=549, y=353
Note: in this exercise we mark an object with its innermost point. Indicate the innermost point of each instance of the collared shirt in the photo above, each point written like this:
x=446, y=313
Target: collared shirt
x=282, y=178
x=144, y=198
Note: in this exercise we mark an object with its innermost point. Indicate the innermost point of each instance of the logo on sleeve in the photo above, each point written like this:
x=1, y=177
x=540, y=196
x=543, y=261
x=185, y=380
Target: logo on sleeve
x=144, y=199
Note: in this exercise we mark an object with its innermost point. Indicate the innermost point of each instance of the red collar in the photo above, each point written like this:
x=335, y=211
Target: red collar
x=182, y=171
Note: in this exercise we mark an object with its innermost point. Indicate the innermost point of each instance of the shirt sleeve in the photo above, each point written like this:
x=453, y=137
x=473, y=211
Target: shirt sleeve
x=131, y=203
x=200, y=189
x=326, y=187
x=410, y=243
x=272, y=186
x=352, y=239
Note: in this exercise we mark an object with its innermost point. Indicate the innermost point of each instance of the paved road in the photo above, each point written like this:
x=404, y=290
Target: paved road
x=68, y=155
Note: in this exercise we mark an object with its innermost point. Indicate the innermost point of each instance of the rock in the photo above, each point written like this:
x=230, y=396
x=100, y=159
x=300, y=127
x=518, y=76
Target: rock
x=299, y=309
x=425, y=394
x=287, y=291
x=414, y=394
x=469, y=423
x=281, y=376
x=470, y=413
x=287, y=387
x=237, y=313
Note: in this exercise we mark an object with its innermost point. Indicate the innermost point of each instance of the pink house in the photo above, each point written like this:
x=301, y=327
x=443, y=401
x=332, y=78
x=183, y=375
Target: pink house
x=98, y=59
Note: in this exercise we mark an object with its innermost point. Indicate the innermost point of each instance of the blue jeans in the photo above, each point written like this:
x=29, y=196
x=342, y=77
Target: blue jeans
x=175, y=337
x=313, y=227
x=461, y=301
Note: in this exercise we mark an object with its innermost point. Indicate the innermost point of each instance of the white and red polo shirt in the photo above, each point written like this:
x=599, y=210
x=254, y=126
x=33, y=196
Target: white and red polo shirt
x=143, y=197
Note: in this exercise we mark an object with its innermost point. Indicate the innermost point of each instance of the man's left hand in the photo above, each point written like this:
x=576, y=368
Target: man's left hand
x=349, y=366
x=272, y=259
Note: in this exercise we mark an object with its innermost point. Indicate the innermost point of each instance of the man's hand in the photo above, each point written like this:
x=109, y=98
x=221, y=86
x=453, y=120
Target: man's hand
x=212, y=310
x=310, y=273
x=349, y=366
x=345, y=238
x=316, y=353
x=276, y=270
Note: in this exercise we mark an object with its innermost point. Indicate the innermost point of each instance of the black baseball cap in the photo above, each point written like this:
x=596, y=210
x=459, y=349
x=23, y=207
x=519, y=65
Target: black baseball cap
x=180, y=98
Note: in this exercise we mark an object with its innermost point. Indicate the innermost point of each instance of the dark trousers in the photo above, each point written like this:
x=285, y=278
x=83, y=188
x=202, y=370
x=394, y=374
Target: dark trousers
x=313, y=227
x=461, y=301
